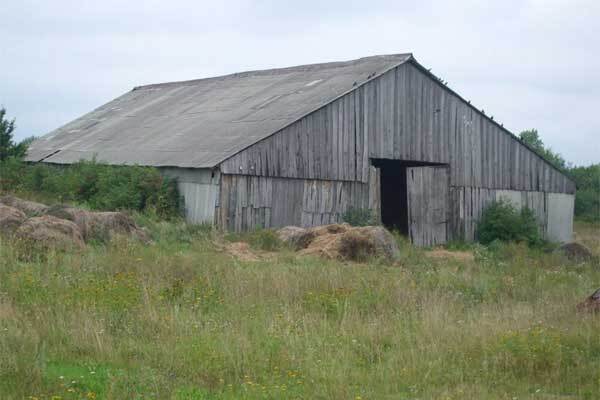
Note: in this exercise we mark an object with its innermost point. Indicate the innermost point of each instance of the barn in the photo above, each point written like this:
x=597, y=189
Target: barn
x=303, y=145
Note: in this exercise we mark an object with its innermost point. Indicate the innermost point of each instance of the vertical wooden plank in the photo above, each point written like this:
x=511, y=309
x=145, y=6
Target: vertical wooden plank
x=428, y=202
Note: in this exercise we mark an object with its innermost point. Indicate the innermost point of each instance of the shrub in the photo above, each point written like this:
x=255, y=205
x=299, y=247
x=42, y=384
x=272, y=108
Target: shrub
x=359, y=217
x=502, y=221
x=98, y=186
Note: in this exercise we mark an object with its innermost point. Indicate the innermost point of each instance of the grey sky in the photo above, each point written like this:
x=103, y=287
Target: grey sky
x=530, y=64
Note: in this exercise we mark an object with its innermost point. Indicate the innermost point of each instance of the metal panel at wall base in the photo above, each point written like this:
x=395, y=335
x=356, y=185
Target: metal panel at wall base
x=553, y=211
x=427, y=191
x=199, y=189
x=560, y=217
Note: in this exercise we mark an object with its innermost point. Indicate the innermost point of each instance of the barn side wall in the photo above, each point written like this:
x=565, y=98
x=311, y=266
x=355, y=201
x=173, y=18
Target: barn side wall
x=249, y=202
x=199, y=189
x=405, y=114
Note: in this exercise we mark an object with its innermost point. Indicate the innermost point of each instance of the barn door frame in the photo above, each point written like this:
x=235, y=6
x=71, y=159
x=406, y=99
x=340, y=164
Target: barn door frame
x=428, y=200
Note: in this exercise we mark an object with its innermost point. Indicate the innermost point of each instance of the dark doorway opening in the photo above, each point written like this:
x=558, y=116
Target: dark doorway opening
x=394, y=198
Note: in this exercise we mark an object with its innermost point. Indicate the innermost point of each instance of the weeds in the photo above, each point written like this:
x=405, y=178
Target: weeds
x=181, y=320
x=96, y=185
x=261, y=239
x=359, y=217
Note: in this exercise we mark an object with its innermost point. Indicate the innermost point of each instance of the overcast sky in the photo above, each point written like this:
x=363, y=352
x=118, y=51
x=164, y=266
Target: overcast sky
x=530, y=64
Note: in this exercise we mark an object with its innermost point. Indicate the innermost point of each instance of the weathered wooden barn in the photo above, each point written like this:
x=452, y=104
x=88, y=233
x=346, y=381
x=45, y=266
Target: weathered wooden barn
x=301, y=145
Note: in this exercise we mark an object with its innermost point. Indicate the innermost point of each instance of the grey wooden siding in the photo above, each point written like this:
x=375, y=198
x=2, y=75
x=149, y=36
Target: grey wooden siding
x=405, y=114
x=427, y=192
x=247, y=202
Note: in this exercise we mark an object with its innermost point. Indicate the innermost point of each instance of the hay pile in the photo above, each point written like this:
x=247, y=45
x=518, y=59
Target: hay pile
x=10, y=219
x=63, y=227
x=31, y=208
x=99, y=226
x=51, y=232
x=591, y=304
x=342, y=242
x=575, y=252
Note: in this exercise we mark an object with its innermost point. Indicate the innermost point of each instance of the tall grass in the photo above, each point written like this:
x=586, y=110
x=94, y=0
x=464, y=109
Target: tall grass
x=182, y=320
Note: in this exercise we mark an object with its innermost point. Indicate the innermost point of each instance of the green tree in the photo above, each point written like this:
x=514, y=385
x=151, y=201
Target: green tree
x=587, y=200
x=587, y=179
x=8, y=148
x=532, y=138
x=6, y=129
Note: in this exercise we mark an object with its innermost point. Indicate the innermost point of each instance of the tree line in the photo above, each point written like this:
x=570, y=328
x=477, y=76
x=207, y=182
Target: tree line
x=587, y=179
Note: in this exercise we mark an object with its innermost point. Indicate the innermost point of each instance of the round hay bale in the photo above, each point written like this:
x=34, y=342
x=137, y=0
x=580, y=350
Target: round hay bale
x=31, y=208
x=10, y=219
x=356, y=246
x=591, y=304
x=575, y=252
x=100, y=226
x=50, y=232
x=385, y=242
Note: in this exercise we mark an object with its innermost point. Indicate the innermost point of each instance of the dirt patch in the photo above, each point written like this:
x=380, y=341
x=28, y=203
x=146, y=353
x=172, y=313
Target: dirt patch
x=10, y=219
x=444, y=254
x=342, y=241
x=50, y=232
x=31, y=208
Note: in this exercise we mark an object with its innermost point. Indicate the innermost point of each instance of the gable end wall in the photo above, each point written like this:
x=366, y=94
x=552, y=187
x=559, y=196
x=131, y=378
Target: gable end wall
x=406, y=115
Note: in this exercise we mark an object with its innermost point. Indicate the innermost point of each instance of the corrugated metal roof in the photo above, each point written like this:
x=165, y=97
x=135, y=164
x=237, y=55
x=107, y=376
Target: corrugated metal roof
x=200, y=123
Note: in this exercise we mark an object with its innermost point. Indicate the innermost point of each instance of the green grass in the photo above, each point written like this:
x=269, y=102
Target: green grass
x=181, y=319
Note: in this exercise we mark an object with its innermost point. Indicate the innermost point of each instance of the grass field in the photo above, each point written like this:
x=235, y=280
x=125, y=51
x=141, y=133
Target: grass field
x=183, y=319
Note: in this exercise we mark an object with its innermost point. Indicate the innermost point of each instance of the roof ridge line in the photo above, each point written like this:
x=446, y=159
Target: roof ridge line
x=272, y=71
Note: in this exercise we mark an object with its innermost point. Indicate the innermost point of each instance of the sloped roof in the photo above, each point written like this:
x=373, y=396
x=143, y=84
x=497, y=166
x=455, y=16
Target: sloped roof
x=200, y=123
